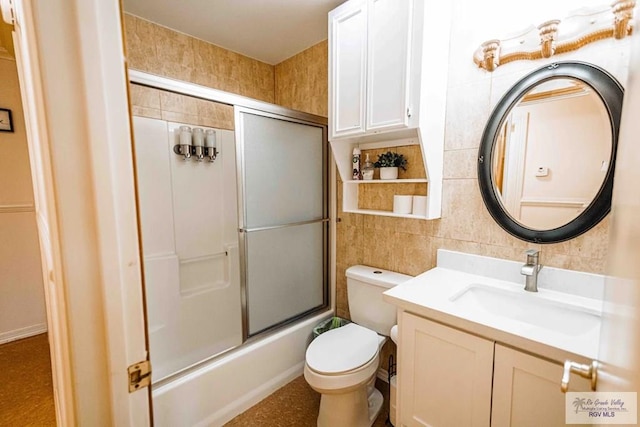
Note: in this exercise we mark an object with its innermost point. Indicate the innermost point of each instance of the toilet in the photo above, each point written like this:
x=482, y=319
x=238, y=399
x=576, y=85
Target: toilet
x=342, y=364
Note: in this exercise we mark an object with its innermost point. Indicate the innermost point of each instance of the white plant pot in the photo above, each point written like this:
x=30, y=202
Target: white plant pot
x=388, y=173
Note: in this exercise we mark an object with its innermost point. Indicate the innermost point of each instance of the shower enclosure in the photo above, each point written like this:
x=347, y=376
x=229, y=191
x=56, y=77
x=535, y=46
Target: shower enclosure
x=235, y=247
x=284, y=215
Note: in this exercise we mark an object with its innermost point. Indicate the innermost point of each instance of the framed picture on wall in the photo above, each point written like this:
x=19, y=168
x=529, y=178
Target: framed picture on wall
x=6, y=125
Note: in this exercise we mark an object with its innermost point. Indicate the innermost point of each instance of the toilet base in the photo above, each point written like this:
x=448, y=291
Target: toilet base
x=353, y=409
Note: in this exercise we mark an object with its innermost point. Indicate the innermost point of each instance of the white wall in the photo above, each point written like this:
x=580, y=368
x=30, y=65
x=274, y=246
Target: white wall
x=22, y=310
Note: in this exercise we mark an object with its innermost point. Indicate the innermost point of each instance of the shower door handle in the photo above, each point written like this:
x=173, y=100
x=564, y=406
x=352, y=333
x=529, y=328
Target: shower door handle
x=275, y=227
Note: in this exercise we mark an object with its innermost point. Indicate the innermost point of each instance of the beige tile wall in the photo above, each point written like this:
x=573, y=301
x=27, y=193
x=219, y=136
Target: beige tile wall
x=158, y=50
x=158, y=104
x=301, y=81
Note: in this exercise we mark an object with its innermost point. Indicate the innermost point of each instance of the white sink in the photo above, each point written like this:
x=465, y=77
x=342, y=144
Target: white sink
x=486, y=297
x=543, y=310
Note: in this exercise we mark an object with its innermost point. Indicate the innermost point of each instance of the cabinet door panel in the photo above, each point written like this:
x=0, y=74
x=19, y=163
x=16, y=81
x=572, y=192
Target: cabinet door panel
x=388, y=63
x=348, y=59
x=526, y=390
x=445, y=375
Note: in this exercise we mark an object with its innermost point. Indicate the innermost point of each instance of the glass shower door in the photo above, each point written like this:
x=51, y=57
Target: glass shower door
x=283, y=218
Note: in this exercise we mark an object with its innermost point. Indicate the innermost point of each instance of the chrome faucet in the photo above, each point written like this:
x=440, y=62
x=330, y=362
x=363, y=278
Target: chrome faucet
x=530, y=270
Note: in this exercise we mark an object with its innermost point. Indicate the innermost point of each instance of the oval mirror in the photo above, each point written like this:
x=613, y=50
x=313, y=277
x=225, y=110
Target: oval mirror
x=547, y=155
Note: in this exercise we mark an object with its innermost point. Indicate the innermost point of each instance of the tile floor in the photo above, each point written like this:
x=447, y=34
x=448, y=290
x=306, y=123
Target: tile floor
x=296, y=405
x=26, y=386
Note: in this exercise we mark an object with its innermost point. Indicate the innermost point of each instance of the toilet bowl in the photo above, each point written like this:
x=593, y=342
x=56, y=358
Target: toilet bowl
x=341, y=364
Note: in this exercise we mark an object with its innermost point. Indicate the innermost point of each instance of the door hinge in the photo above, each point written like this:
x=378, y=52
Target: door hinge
x=139, y=375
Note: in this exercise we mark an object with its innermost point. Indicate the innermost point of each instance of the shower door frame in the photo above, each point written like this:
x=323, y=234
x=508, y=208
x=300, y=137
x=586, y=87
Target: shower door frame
x=242, y=214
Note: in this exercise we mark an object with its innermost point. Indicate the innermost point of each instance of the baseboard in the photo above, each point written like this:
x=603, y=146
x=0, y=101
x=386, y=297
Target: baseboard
x=18, y=334
x=229, y=412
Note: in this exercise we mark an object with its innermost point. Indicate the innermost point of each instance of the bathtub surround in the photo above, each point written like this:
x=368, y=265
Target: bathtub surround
x=192, y=272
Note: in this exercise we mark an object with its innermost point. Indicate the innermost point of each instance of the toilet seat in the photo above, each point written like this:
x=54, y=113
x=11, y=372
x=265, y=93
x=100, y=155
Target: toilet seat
x=342, y=350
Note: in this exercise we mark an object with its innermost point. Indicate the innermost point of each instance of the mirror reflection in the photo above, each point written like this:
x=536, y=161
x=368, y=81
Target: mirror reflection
x=552, y=153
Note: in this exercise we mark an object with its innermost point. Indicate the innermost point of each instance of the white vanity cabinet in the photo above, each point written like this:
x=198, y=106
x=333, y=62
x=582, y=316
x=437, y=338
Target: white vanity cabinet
x=387, y=86
x=526, y=390
x=448, y=377
x=445, y=375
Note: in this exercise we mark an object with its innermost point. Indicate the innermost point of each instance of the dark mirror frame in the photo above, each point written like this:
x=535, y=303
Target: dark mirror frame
x=611, y=93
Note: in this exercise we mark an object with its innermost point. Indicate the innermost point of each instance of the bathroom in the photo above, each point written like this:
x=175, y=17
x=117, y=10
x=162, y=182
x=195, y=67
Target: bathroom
x=410, y=244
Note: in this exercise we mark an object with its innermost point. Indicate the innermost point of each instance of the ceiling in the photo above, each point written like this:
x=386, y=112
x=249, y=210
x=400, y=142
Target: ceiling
x=268, y=30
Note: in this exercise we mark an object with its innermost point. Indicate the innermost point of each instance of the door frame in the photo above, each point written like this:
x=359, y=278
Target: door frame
x=72, y=69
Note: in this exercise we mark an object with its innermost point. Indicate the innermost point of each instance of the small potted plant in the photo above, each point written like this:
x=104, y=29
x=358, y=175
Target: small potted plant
x=389, y=163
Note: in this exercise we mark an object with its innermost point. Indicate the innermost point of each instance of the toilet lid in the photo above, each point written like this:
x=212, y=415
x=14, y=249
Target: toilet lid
x=342, y=349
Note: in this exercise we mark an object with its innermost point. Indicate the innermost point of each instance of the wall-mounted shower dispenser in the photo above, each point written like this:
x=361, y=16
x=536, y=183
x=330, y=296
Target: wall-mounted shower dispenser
x=210, y=146
x=184, y=148
x=198, y=143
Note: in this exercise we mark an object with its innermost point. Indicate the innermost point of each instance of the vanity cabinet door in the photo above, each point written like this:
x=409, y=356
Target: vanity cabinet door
x=347, y=68
x=444, y=375
x=526, y=390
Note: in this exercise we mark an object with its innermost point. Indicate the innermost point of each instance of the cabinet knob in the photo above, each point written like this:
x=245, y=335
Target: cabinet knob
x=585, y=371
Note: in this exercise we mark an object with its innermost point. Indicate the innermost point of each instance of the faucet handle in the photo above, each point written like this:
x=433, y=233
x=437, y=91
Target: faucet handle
x=533, y=256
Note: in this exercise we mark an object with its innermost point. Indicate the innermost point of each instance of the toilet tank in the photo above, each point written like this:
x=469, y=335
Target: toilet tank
x=365, y=286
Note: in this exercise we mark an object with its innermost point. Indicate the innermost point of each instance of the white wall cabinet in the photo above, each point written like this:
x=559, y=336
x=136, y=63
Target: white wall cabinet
x=370, y=65
x=451, y=378
x=387, y=84
x=348, y=73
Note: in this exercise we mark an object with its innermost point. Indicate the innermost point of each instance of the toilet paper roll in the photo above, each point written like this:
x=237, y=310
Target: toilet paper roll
x=402, y=204
x=419, y=205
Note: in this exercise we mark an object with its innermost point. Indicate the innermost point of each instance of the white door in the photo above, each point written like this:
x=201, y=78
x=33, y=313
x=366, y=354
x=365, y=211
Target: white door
x=72, y=74
x=620, y=333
